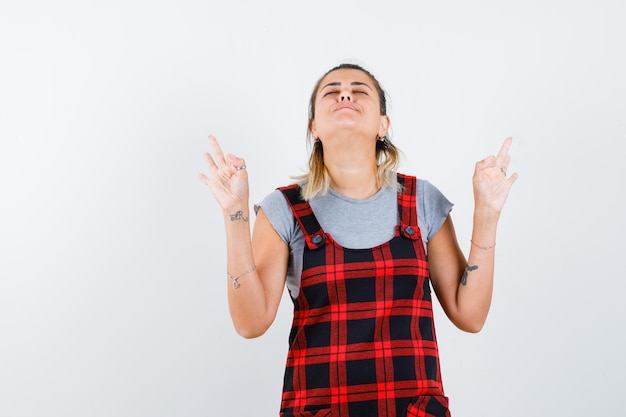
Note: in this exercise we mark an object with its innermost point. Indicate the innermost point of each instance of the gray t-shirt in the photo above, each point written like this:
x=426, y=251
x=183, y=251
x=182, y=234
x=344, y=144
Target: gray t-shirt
x=353, y=223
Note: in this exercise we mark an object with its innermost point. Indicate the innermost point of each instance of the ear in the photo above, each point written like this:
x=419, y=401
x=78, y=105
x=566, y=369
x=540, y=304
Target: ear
x=312, y=129
x=384, y=125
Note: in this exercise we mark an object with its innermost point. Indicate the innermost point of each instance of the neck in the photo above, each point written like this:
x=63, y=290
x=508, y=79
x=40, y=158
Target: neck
x=352, y=171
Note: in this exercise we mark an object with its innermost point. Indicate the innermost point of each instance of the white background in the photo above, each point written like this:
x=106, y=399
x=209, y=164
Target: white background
x=112, y=261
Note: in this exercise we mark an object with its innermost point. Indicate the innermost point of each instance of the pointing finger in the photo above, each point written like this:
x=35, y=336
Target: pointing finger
x=501, y=158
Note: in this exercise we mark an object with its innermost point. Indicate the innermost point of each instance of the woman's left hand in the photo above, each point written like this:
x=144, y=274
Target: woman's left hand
x=491, y=184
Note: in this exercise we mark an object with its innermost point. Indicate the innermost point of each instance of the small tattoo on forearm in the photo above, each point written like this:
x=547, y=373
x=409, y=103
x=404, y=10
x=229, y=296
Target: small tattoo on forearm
x=238, y=216
x=468, y=269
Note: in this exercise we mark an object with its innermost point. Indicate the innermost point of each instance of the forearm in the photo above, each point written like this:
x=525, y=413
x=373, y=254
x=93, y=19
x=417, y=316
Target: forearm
x=475, y=287
x=246, y=295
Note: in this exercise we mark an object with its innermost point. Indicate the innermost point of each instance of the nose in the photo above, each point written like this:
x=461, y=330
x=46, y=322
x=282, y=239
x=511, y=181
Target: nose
x=345, y=95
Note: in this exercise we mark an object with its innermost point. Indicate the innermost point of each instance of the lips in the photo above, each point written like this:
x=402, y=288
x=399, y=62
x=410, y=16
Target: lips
x=345, y=106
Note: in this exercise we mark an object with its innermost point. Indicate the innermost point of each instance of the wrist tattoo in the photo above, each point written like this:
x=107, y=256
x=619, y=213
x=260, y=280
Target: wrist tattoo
x=468, y=269
x=238, y=216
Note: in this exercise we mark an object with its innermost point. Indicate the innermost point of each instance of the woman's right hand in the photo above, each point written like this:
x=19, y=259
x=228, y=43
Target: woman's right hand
x=229, y=178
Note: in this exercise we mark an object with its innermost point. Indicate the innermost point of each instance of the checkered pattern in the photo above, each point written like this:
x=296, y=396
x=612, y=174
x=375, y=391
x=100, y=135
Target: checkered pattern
x=363, y=342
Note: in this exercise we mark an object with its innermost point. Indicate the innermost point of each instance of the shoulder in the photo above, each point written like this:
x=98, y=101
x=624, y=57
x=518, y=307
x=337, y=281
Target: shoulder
x=431, y=194
x=279, y=213
x=277, y=199
x=435, y=206
x=274, y=200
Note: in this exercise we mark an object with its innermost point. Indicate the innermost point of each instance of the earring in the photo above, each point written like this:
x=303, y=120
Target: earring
x=384, y=141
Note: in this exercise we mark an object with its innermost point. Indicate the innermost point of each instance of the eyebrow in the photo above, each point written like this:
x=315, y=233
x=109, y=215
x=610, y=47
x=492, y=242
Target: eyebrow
x=338, y=84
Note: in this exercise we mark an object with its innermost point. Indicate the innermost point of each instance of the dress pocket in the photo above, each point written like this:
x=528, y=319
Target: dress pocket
x=314, y=413
x=428, y=406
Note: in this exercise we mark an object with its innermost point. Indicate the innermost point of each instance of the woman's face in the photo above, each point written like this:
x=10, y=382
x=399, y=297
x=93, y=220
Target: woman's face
x=347, y=101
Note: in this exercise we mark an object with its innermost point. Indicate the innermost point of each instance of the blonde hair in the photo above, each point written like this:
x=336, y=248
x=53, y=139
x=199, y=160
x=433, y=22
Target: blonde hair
x=316, y=181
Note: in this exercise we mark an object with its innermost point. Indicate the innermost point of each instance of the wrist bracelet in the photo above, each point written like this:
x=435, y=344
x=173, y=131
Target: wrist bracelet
x=235, y=282
x=483, y=247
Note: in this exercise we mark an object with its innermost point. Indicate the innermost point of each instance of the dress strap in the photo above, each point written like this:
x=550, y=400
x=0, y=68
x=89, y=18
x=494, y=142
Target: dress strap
x=314, y=235
x=407, y=207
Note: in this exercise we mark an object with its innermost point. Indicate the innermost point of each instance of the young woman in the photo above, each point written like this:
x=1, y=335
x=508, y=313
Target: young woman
x=350, y=241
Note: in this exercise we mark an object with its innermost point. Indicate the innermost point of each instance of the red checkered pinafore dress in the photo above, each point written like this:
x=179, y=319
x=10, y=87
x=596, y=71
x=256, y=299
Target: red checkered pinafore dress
x=362, y=343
